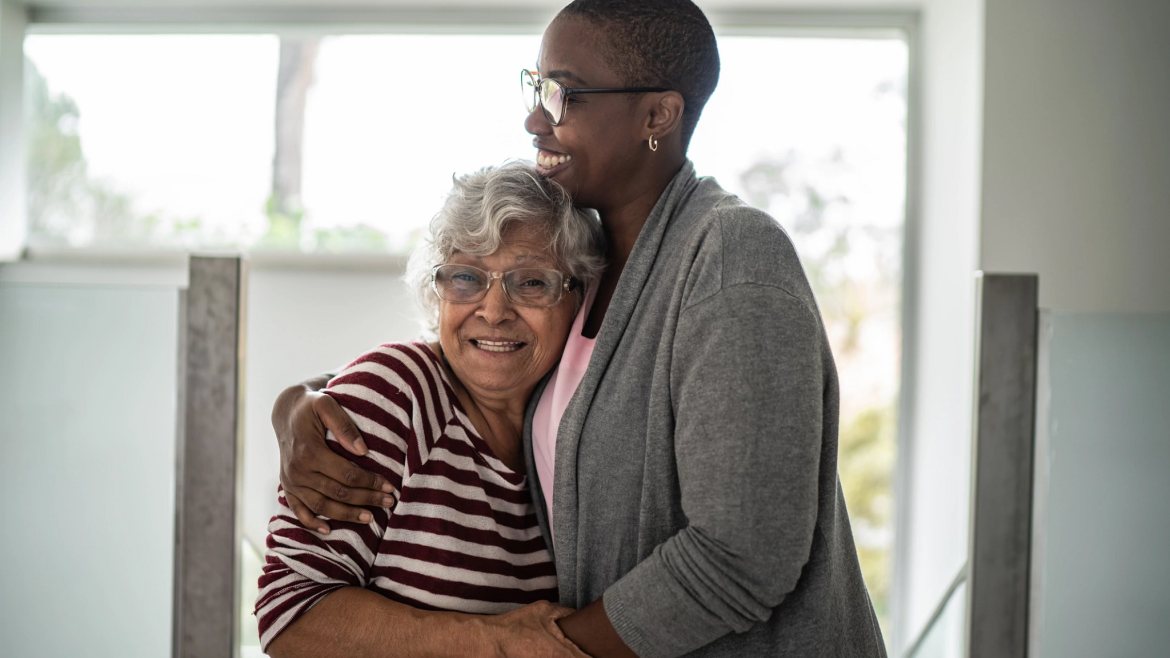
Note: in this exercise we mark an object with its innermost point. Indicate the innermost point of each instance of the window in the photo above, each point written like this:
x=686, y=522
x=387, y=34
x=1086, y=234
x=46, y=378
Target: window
x=347, y=143
x=138, y=141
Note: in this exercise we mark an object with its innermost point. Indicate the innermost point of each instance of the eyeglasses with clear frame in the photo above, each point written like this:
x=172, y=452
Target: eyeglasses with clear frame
x=533, y=286
x=553, y=97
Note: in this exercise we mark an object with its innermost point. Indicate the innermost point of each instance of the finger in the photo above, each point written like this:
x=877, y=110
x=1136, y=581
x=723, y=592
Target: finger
x=303, y=514
x=337, y=491
x=321, y=506
x=558, y=611
x=339, y=422
x=340, y=469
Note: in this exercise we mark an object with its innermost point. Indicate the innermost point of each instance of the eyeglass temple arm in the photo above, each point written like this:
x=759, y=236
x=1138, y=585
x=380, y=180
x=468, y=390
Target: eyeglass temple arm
x=613, y=90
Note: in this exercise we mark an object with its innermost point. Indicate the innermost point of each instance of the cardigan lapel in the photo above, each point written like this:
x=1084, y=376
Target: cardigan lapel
x=617, y=317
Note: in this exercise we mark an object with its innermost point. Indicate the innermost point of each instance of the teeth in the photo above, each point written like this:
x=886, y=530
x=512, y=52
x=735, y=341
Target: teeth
x=551, y=160
x=497, y=346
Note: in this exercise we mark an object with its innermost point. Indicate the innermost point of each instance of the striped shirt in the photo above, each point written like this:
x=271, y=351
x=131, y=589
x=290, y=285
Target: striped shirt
x=463, y=536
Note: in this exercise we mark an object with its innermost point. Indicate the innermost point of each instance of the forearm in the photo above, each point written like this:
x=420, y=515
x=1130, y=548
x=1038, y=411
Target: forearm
x=357, y=623
x=282, y=409
x=590, y=629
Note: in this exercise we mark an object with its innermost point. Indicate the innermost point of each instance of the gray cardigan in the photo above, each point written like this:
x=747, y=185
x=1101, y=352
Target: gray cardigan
x=696, y=465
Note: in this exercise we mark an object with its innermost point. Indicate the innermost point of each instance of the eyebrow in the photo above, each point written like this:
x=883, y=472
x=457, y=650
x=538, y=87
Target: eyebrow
x=561, y=73
x=520, y=258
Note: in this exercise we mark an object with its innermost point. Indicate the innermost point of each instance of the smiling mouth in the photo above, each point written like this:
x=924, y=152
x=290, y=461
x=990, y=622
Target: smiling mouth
x=499, y=346
x=547, y=161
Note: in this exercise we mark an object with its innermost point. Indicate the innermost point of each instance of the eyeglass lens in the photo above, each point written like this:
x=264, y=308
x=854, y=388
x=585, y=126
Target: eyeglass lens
x=552, y=99
x=528, y=287
x=549, y=94
x=528, y=90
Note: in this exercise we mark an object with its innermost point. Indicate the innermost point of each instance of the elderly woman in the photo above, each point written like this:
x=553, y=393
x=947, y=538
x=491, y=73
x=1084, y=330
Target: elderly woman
x=502, y=277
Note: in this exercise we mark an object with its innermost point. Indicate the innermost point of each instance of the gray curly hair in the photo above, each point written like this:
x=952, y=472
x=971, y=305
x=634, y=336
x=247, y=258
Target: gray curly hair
x=483, y=204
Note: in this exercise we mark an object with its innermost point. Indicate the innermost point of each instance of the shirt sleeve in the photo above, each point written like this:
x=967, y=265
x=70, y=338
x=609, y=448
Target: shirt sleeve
x=303, y=566
x=748, y=391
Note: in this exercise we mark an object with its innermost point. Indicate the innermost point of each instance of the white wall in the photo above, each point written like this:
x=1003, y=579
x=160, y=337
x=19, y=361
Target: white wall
x=12, y=214
x=1077, y=150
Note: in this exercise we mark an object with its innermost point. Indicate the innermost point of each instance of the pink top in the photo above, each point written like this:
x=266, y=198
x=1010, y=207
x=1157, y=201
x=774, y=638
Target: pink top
x=555, y=399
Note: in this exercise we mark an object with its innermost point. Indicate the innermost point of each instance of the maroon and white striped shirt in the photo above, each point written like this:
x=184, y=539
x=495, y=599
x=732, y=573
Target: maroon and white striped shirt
x=463, y=535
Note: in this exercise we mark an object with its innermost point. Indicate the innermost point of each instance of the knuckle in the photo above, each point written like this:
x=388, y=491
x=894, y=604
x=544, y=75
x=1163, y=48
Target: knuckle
x=341, y=493
x=318, y=506
x=353, y=477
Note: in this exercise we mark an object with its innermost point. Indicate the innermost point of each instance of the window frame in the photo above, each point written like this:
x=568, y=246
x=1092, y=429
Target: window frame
x=320, y=21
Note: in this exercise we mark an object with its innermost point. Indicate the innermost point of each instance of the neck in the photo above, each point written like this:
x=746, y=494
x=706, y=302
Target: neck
x=497, y=416
x=624, y=218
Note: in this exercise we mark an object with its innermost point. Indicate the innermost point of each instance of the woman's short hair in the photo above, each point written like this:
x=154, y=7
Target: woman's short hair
x=658, y=43
x=480, y=208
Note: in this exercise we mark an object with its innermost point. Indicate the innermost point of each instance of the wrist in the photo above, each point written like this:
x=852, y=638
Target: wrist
x=286, y=403
x=463, y=635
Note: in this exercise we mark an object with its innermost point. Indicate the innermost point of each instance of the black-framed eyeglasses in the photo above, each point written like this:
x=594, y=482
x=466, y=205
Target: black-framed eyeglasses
x=533, y=286
x=553, y=97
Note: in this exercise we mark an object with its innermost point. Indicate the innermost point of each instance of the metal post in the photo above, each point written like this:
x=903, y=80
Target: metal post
x=207, y=544
x=1001, y=479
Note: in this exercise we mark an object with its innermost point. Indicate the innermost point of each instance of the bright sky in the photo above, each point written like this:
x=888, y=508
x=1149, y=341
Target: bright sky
x=184, y=123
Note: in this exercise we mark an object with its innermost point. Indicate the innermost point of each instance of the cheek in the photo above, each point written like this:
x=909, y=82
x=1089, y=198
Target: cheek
x=559, y=324
x=451, y=318
x=551, y=330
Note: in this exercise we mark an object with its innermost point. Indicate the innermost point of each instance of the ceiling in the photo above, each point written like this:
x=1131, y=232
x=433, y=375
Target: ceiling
x=548, y=5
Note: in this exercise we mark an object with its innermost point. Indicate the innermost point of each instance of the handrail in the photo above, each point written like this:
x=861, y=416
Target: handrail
x=959, y=579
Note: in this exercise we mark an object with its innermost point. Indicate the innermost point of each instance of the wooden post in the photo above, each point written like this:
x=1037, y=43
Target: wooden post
x=207, y=538
x=1002, y=459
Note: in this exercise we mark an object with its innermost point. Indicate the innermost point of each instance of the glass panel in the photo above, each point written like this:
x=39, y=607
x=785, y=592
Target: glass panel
x=1102, y=524
x=88, y=454
x=944, y=637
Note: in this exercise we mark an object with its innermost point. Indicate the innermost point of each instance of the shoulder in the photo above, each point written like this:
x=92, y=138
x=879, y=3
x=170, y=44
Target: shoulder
x=401, y=371
x=736, y=244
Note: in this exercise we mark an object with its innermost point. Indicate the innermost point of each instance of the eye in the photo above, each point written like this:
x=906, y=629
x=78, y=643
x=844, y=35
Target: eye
x=533, y=282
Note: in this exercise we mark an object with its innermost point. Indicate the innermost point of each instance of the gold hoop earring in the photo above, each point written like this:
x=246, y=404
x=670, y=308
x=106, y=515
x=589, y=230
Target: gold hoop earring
x=653, y=143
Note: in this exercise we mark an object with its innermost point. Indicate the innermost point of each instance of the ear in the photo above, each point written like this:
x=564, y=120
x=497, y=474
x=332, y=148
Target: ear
x=664, y=114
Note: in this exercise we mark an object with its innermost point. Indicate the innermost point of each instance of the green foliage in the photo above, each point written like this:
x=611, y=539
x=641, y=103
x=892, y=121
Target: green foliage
x=286, y=232
x=57, y=177
x=284, y=227
x=351, y=239
x=865, y=462
x=66, y=206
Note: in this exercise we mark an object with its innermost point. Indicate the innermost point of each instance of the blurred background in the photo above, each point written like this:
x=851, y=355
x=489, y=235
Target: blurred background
x=903, y=146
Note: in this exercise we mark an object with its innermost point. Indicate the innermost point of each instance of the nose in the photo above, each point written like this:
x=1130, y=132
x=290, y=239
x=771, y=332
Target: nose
x=536, y=124
x=495, y=308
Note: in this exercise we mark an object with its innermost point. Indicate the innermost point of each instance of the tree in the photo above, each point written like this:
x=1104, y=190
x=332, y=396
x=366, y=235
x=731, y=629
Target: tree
x=294, y=77
x=66, y=206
